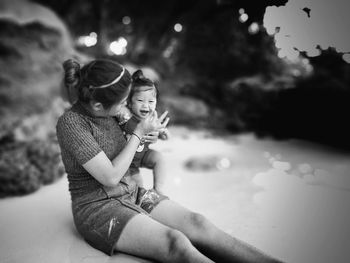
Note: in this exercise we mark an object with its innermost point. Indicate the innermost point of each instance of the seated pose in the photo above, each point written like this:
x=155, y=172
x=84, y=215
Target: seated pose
x=111, y=212
x=142, y=102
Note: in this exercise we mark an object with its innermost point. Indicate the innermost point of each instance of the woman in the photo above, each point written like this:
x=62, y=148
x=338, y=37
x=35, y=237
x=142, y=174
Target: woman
x=110, y=211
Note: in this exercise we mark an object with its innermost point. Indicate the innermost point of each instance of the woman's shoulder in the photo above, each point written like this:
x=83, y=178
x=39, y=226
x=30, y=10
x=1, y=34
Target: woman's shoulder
x=71, y=118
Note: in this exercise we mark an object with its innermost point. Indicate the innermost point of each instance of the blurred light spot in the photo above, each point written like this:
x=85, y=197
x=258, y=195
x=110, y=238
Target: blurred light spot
x=223, y=163
x=126, y=20
x=346, y=57
x=118, y=47
x=178, y=27
x=122, y=42
x=241, y=11
x=305, y=61
x=253, y=28
x=170, y=49
x=270, y=30
x=313, y=52
x=89, y=40
x=93, y=34
x=296, y=72
x=243, y=18
x=307, y=66
x=167, y=52
x=288, y=53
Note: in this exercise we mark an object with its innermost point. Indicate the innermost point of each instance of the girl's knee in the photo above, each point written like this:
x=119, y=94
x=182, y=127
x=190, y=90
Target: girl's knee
x=178, y=245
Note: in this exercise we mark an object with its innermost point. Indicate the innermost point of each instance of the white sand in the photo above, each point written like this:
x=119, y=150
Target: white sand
x=290, y=199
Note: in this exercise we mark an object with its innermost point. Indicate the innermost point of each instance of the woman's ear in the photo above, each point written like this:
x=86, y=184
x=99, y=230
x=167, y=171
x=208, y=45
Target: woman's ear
x=96, y=106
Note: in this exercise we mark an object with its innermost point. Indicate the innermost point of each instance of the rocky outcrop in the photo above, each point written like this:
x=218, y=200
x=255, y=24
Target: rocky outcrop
x=33, y=45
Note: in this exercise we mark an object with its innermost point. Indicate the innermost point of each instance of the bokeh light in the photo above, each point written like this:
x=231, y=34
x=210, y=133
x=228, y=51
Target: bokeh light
x=223, y=163
x=253, y=28
x=178, y=27
x=126, y=20
x=118, y=47
x=243, y=18
x=346, y=57
x=88, y=41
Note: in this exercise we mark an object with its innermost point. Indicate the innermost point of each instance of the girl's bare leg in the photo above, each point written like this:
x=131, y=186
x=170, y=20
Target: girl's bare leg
x=209, y=239
x=147, y=238
x=159, y=173
x=138, y=179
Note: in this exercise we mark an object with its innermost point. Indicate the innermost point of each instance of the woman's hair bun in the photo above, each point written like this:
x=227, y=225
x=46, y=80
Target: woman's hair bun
x=71, y=72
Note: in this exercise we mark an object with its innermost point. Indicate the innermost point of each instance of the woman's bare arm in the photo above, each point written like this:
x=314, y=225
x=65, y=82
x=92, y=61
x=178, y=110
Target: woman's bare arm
x=110, y=172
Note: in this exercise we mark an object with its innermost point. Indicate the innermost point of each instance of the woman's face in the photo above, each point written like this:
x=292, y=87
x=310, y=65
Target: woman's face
x=117, y=107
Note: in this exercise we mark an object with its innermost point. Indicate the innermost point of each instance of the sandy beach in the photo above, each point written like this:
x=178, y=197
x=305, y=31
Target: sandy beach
x=289, y=198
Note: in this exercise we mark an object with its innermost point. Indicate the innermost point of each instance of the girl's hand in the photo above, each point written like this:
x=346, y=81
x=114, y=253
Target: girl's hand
x=152, y=123
x=164, y=120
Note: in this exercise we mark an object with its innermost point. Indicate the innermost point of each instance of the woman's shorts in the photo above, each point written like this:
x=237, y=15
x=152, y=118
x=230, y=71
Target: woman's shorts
x=101, y=222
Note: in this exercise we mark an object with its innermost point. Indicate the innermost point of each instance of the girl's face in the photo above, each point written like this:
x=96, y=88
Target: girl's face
x=143, y=103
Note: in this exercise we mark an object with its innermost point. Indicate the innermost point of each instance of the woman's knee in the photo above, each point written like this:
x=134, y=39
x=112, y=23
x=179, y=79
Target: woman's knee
x=199, y=227
x=199, y=222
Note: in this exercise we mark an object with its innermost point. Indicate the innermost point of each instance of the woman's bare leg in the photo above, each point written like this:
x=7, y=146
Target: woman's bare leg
x=209, y=239
x=147, y=238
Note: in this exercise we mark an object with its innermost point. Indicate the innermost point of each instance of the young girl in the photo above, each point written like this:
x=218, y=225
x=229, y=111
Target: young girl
x=142, y=102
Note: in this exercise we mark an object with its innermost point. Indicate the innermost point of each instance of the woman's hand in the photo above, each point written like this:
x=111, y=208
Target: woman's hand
x=164, y=134
x=151, y=137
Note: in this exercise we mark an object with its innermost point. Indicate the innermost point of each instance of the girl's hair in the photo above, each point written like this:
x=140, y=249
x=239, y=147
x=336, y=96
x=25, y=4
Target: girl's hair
x=140, y=83
x=104, y=81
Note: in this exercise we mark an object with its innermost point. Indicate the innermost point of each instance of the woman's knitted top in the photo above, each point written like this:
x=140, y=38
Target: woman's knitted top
x=82, y=136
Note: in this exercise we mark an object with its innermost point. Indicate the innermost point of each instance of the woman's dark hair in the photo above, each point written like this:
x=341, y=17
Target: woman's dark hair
x=104, y=81
x=139, y=82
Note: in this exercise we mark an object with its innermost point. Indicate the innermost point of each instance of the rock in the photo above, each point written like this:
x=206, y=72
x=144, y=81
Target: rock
x=33, y=44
